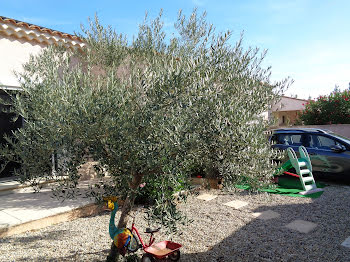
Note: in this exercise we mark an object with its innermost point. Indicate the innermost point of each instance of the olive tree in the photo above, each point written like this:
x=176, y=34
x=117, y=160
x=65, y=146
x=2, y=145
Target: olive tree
x=147, y=111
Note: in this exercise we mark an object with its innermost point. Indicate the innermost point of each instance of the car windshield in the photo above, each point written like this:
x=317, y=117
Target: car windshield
x=343, y=138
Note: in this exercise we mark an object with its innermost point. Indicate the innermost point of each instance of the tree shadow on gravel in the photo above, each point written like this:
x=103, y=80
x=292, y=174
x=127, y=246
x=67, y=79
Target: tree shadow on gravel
x=76, y=256
x=270, y=240
x=53, y=235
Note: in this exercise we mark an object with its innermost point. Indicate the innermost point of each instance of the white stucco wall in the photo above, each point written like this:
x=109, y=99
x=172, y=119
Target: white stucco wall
x=289, y=104
x=13, y=53
x=265, y=115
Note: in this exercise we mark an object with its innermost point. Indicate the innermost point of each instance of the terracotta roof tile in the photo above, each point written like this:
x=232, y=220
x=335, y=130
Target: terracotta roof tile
x=44, y=30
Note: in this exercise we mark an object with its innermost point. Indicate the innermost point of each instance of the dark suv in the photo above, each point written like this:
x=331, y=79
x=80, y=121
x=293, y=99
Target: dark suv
x=329, y=152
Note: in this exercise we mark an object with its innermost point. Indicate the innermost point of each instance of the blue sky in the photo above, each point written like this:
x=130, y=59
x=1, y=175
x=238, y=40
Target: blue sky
x=307, y=40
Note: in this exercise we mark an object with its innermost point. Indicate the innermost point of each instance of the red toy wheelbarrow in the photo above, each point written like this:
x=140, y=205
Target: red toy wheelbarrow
x=164, y=249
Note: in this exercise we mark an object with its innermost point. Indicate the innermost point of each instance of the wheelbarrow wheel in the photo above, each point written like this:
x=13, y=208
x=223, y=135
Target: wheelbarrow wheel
x=175, y=256
x=147, y=258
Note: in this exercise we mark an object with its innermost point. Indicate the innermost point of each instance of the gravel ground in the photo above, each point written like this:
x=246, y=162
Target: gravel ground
x=218, y=233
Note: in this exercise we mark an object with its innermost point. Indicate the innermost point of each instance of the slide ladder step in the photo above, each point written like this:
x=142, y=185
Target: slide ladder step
x=308, y=179
x=304, y=172
x=302, y=163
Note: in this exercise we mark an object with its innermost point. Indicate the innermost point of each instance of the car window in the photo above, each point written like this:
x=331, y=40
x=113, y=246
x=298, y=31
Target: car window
x=295, y=140
x=287, y=139
x=274, y=139
x=326, y=142
x=282, y=139
x=279, y=139
x=309, y=140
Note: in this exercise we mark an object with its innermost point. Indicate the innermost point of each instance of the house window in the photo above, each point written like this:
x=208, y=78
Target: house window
x=283, y=119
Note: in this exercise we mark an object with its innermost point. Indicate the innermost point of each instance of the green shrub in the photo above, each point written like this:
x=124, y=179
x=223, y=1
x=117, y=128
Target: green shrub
x=331, y=109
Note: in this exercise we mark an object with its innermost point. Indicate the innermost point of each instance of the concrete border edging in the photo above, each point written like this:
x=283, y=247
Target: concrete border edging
x=85, y=211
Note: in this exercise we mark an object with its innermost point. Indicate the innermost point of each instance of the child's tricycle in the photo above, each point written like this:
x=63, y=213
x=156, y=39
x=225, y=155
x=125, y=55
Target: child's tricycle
x=126, y=239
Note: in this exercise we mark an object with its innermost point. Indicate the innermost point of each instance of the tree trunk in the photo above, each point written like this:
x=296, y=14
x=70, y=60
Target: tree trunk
x=113, y=254
x=127, y=206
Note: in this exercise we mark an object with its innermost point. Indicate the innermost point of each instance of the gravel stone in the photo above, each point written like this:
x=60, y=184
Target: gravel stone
x=217, y=233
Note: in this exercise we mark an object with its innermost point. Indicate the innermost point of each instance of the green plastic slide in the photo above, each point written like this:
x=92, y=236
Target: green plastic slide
x=285, y=167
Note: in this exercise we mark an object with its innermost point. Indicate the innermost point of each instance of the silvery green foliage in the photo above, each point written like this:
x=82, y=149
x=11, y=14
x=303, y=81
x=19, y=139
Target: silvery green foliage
x=154, y=107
